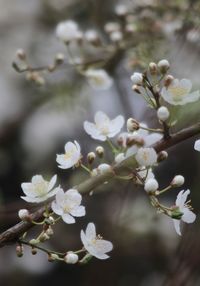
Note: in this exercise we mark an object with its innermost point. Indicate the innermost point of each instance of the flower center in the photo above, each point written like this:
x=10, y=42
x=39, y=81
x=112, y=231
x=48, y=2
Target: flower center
x=69, y=154
x=178, y=92
x=41, y=188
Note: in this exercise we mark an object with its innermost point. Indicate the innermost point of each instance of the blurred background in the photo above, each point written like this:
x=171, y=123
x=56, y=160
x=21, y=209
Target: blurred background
x=36, y=120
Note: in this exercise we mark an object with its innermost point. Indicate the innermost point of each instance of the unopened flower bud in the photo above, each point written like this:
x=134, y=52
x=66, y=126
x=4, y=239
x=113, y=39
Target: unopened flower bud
x=71, y=258
x=59, y=59
x=137, y=78
x=132, y=125
x=135, y=88
x=94, y=172
x=162, y=156
x=163, y=113
x=168, y=80
x=20, y=53
x=52, y=257
x=151, y=185
x=44, y=237
x=134, y=140
x=121, y=10
x=92, y=37
x=116, y=36
x=163, y=66
x=177, y=181
x=104, y=168
x=19, y=250
x=100, y=151
x=23, y=214
x=90, y=157
x=49, y=231
x=34, y=241
x=153, y=68
x=111, y=27
x=34, y=251
x=119, y=158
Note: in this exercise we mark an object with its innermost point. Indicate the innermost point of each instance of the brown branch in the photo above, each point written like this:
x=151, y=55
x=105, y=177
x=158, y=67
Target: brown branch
x=12, y=234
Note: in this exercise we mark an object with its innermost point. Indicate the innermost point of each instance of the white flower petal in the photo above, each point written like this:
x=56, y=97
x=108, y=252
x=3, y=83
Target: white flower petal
x=188, y=216
x=68, y=218
x=177, y=226
x=186, y=83
x=78, y=212
x=56, y=208
x=52, y=182
x=90, y=231
x=181, y=198
x=197, y=145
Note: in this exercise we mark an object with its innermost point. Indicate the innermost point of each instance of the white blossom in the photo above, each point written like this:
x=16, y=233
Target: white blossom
x=137, y=78
x=67, y=30
x=67, y=205
x=197, y=145
x=116, y=36
x=103, y=126
x=163, y=65
x=111, y=27
x=146, y=156
x=94, y=244
x=121, y=9
x=103, y=168
x=151, y=185
x=187, y=215
x=163, y=113
x=23, y=214
x=178, y=181
x=39, y=190
x=145, y=174
x=71, y=257
x=91, y=35
x=178, y=92
x=98, y=79
x=142, y=135
x=71, y=157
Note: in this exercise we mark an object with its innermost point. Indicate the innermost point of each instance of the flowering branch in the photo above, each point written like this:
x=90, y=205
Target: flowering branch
x=13, y=234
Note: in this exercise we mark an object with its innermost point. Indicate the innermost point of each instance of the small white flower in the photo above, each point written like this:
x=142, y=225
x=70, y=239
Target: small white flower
x=116, y=36
x=103, y=168
x=119, y=158
x=71, y=157
x=146, y=157
x=71, y=257
x=178, y=92
x=94, y=244
x=163, y=113
x=67, y=205
x=67, y=30
x=91, y=35
x=137, y=78
x=99, y=79
x=178, y=181
x=151, y=185
x=39, y=190
x=197, y=145
x=121, y=10
x=23, y=214
x=187, y=215
x=111, y=27
x=163, y=65
x=103, y=126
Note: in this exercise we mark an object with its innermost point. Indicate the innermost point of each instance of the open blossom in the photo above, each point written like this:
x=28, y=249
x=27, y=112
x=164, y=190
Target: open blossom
x=142, y=135
x=67, y=31
x=103, y=126
x=178, y=92
x=71, y=157
x=197, y=145
x=146, y=157
x=99, y=79
x=67, y=205
x=94, y=244
x=187, y=215
x=39, y=190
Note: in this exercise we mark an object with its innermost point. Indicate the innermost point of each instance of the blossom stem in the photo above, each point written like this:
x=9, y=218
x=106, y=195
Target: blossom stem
x=85, y=168
x=113, y=148
x=151, y=129
x=48, y=251
x=164, y=190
